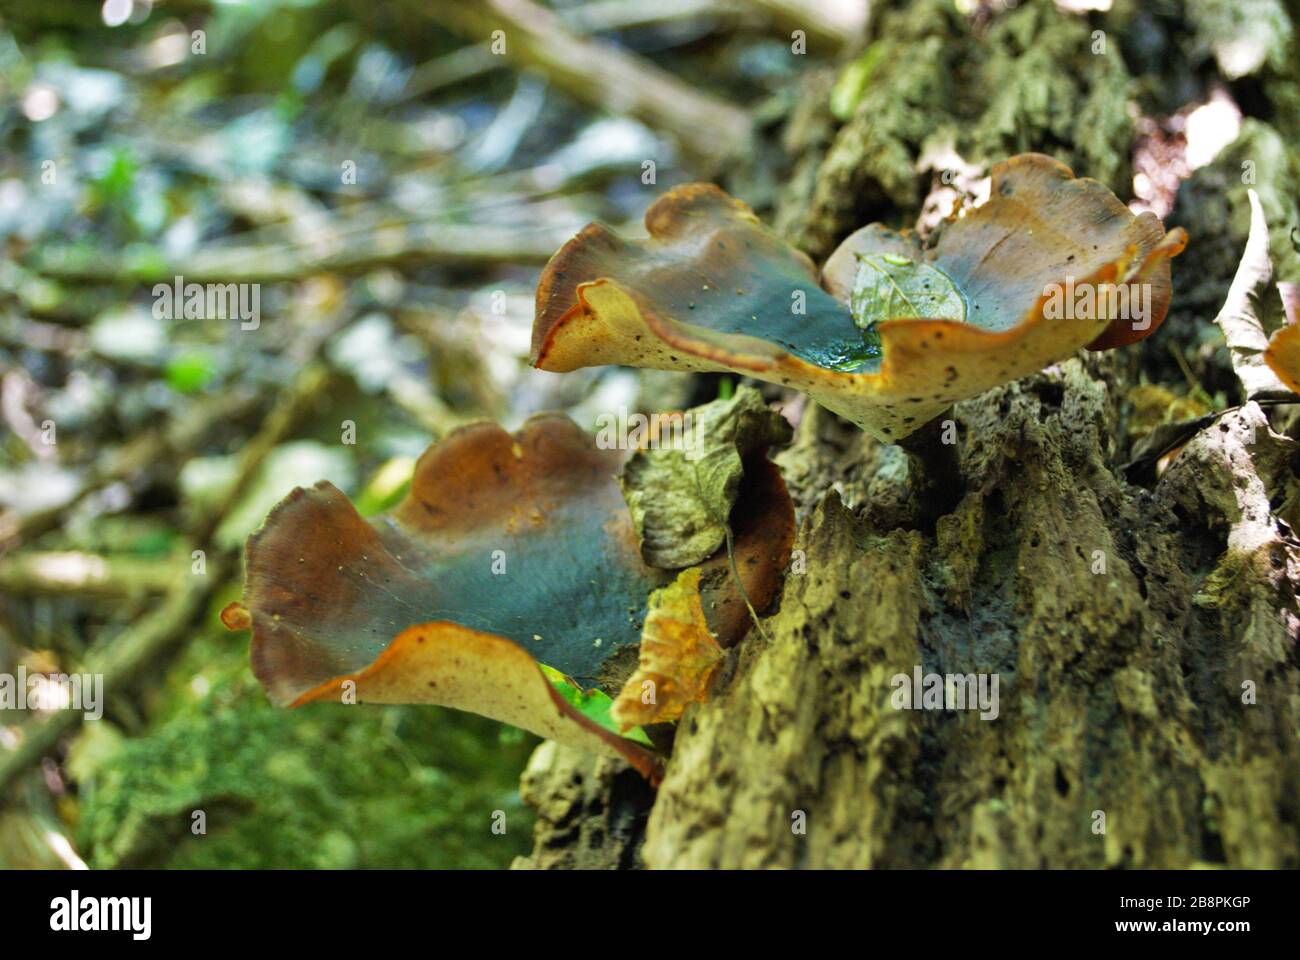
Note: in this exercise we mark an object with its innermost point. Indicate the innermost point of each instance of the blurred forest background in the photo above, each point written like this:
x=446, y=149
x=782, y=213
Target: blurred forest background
x=394, y=182
x=394, y=186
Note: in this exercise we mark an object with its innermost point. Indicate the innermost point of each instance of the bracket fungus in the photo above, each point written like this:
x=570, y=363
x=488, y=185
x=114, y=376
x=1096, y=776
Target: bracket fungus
x=895, y=332
x=509, y=582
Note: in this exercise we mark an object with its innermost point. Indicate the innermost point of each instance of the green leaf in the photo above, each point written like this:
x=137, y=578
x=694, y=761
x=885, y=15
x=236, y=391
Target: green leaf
x=593, y=704
x=852, y=82
x=118, y=178
x=387, y=487
x=889, y=287
x=681, y=489
x=145, y=263
x=191, y=372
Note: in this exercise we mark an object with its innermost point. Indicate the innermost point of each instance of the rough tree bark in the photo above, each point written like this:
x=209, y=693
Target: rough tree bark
x=1144, y=634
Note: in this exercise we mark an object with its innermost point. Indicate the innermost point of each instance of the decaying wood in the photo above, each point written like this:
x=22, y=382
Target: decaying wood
x=1126, y=625
x=1121, y=691
x=1144, y=635
x=591, y=811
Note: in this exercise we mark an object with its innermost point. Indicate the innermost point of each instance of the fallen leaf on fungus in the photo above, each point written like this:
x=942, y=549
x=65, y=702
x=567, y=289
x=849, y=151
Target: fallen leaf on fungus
x=694, y=618
x=678, y=656
x=888, y=286
x=1048, y=265
x=594, y=704
x=681, y=487
x=507, y=554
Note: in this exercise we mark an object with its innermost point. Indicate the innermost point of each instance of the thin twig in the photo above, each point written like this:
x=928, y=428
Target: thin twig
x=602, y=75
x=175, y=443
x=744, y=594
x=78, y=573
x=425, y=242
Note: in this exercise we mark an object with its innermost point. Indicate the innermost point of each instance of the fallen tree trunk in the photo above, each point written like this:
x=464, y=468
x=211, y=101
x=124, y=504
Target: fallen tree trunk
x=1143, y=635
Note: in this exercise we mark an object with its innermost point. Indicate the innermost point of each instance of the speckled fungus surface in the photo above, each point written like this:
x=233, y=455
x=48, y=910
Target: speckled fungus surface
x=509, y=554
x=1049, y=264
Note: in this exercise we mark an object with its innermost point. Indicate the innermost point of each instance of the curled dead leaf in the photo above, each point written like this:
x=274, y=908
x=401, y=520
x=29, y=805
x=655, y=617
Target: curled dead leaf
x=678, y=656
x=681, y=489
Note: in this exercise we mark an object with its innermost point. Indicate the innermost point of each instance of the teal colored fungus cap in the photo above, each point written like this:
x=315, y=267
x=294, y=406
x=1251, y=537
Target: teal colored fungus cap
x=891, y=333
x=509, y=582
